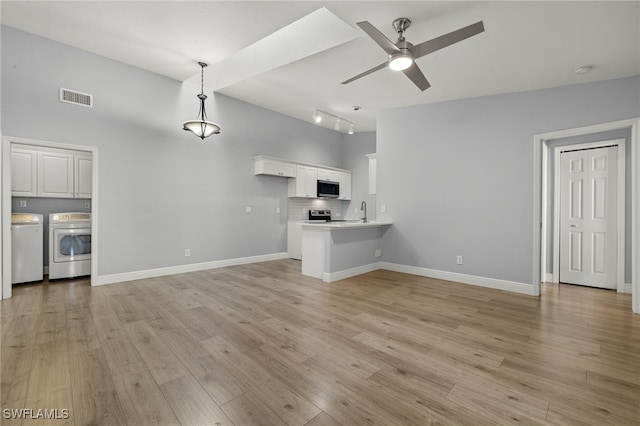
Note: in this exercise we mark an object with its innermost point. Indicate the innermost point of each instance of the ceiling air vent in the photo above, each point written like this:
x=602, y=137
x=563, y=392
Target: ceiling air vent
x=76, y=98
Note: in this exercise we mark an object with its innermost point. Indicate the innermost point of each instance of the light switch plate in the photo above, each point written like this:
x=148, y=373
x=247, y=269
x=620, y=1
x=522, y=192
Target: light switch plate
x=383, y=209
x=247, y=209
x=23, y=203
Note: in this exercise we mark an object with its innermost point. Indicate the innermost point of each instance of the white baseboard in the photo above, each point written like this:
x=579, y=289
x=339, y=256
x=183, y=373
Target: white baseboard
x=326, y=277
x=627, y=288
x=512, y=286
x=548, y=278
x=180, y=269
x=348, y=273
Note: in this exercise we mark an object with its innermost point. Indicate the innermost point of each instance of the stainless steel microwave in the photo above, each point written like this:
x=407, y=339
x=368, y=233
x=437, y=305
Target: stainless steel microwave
x=328, y=189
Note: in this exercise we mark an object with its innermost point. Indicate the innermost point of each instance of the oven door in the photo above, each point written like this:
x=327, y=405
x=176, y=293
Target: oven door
x=71, y=244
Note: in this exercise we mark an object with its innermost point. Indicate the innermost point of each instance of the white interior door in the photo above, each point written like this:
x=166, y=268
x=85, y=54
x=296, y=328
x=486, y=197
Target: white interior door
x=588, y=217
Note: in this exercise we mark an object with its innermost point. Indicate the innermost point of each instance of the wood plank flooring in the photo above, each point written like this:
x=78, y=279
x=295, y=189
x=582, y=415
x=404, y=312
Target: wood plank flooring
x=261, y=344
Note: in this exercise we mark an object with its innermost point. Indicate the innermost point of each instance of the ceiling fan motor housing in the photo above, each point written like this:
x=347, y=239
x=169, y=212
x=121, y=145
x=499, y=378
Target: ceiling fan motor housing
x=401, y=25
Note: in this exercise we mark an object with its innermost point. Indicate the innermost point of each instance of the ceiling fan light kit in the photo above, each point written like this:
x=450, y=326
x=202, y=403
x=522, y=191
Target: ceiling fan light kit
x=201, y=127
x=402, y=54
x=400, y=61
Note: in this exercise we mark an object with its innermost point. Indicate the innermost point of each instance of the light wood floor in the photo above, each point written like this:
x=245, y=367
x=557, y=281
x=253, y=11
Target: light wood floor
x=261, y=344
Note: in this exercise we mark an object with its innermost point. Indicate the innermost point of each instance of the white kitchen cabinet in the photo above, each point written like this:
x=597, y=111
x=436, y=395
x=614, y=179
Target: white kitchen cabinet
x=305, y=184
x=50, y=172
x=345, y=185
x=55, y=174
x=270, y=166
x=83, y=175
x=330, y=175
x=24, y=173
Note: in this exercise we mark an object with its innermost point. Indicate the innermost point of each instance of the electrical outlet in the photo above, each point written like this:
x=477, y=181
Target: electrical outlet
x=87, y=204
x=277, y=210
x=459, y=260
x=383, y=209
x=377, y=253
x=187, y=252
x=356, y=210
x=337, y=214
x=247, y=209
x=23, y=203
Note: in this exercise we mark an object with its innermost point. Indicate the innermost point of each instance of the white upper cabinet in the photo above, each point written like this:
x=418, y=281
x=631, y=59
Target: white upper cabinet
x=305, y=184
x=303, y=177
x=330, y=175
x=83, y=164
x=24, y=172
x=269, y=166
x=50, y=172
x=55, y=174
x=345, y=185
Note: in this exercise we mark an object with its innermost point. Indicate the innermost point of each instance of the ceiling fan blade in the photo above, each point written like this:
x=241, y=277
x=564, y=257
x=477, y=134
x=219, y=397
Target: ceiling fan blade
x=415, y=75
x=374, y=69
x=447, y=39
x=386, y=44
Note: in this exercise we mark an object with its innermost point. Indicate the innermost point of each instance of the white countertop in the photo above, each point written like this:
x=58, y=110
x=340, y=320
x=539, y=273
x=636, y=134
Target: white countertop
x=350, y=224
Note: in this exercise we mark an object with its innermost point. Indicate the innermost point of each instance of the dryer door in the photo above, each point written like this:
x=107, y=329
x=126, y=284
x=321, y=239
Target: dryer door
x=70, y=245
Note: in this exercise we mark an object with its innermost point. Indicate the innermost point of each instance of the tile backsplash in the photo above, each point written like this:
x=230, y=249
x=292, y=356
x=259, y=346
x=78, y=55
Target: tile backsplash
x=298, y=208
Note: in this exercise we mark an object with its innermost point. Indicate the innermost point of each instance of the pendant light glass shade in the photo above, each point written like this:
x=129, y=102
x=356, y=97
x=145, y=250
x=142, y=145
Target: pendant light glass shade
x=200, y=126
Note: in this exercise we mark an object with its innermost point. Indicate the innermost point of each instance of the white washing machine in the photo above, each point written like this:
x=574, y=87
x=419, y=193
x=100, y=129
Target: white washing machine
x=69, y=245
x=27, y=242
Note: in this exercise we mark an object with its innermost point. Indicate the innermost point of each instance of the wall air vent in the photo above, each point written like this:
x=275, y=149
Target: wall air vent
x=76, y=98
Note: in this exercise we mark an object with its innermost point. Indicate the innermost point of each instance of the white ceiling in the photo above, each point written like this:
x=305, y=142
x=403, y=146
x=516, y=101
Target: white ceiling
x=525, y=46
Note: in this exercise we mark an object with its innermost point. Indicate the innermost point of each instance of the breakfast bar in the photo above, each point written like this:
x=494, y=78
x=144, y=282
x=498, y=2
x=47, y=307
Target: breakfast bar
x=333, y=251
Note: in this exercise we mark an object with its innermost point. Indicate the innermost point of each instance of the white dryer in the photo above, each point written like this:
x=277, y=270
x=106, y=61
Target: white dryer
x=69, y=245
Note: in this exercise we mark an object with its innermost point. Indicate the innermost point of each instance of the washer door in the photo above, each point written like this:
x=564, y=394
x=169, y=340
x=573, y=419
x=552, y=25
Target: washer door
x=71, y=244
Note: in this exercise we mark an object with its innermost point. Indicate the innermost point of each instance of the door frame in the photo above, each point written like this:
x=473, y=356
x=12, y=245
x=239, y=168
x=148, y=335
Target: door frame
x=7, y=142
x=540, y=178
x=620, y=189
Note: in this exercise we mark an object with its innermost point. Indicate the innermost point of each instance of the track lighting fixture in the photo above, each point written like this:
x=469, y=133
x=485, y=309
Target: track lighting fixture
x=340, y=122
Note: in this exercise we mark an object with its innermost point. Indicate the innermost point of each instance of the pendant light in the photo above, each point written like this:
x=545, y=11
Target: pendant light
x=201, y=127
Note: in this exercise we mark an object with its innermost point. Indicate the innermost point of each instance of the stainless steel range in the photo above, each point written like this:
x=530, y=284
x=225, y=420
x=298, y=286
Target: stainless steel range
x=322, y=216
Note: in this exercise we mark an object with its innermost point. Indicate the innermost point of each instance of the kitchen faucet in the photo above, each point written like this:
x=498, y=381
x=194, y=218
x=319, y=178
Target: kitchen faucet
x=363, y=206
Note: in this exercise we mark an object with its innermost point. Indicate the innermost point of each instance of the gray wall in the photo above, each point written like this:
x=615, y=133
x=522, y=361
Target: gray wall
x=457, y=177
x=354, y=149
x=161, y=189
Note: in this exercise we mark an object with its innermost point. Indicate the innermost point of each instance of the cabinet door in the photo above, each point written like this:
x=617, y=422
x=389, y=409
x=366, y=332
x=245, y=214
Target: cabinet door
x=330, y=175
x=276, y=168
x=83, y=175
x=55, y=174
x=24, y=173
x=345, y=186
x=305, y=184
x=311, y=182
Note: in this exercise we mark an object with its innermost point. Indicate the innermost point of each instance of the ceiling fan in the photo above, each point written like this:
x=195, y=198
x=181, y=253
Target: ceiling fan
x=402, y=54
